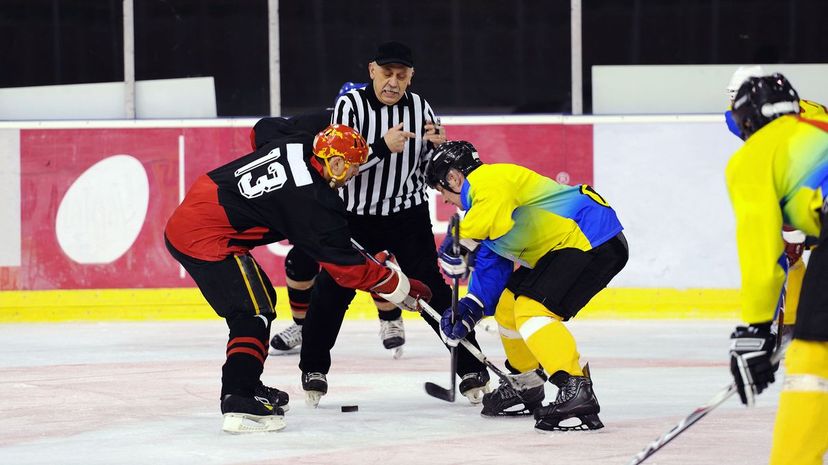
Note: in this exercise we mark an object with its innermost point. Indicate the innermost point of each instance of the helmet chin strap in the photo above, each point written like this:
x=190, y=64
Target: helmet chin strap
x=446, y=185
x=335, y=178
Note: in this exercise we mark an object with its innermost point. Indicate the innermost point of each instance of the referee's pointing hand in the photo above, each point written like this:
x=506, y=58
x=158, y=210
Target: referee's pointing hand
x=396, y=138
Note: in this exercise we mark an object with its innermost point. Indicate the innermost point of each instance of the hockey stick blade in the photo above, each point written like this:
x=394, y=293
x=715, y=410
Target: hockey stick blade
x=438, y=392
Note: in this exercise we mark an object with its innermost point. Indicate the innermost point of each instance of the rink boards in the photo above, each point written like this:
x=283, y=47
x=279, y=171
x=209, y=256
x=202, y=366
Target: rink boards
x=84, y=204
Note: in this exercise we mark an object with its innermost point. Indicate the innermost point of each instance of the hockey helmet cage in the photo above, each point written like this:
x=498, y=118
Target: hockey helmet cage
x=761, y=100
x=338, y=140
x=459, y=155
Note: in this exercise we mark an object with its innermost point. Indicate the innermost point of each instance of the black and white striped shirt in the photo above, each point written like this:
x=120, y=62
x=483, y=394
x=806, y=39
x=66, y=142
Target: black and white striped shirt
x=388, y=182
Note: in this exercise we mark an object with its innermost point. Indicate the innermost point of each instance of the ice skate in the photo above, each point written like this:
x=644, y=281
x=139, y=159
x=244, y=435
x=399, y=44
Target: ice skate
x=286, y=340
x=272, y=396
x=392, y=333
x=520, y=397
x=250, y=415
x=315, y=385
x=575, y=400
x=475, y=385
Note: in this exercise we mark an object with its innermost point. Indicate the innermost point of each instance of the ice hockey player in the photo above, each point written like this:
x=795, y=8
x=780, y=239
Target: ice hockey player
x=569, y=245
x=796, y=242
x=283, y=190
x=300, y=268
x=780, y=176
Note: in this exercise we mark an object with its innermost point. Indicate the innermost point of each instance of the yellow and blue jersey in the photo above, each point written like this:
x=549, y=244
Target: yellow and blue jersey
x=519, y=216
x=779, y=176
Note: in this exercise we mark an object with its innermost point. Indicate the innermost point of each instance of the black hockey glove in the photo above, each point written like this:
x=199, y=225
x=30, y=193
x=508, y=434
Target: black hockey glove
x=751, y=349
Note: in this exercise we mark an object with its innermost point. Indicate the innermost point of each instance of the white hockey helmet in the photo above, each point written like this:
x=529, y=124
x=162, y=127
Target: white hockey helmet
x=742, y=74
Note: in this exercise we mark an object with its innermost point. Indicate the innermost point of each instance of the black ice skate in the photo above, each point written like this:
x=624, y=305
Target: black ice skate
x=250, y=415
x=392, y=333
x=286, y=340
x=521, y=396
x=272, y=396
x=315, y=385
x=475, y=385
x=575, y=400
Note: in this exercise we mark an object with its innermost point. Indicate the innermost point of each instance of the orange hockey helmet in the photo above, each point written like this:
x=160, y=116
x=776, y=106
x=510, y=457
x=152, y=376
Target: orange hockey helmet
x=338, y=140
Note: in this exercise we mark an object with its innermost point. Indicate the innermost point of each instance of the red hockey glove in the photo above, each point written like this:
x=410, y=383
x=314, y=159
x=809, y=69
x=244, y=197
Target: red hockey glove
x=397, y=288
x=794, y=243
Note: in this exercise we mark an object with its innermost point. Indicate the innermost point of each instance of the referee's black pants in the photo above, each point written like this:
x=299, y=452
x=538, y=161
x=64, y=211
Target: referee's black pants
x=408, y=236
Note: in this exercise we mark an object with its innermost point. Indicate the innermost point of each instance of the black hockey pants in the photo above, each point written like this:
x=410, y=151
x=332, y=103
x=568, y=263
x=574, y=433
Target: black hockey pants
x=408, y=236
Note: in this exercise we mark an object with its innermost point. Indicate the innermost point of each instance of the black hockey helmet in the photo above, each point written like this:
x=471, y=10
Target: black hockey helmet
x=761, y=100
x=457, y=154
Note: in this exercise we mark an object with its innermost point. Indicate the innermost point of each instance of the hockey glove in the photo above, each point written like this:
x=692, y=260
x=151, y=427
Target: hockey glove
x=794, y=243
x=751, y=349
x=397, y=288
x=452, y=265
x=469, y=312
x=455, y=266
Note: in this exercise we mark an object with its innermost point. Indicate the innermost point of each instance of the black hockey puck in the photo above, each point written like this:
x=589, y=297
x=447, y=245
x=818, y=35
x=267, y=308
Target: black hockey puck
x=350, y=408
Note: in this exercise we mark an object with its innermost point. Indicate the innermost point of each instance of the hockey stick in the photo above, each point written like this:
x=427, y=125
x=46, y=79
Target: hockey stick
x=476, y=353
x=432, y=389
x=691, y=419
x=428, y=310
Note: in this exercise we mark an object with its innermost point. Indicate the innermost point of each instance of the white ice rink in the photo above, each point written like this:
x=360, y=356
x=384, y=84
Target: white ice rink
x=147, y=393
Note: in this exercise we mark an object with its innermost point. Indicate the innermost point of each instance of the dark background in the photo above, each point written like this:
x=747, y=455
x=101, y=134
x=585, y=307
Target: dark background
x=472, y=56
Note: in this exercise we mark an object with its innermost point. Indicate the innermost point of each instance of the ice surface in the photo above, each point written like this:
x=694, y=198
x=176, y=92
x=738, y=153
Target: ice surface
x=147, y=393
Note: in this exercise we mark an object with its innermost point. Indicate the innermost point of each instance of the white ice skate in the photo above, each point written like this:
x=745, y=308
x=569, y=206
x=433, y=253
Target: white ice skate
x=286, y=341
x=392, y=333
x=315, y=385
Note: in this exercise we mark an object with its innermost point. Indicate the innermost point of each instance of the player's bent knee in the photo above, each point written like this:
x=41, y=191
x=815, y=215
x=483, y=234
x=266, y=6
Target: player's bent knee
x=300, y=267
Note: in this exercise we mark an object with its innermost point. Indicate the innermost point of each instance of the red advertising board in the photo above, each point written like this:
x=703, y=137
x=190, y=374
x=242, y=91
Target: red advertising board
x=64, y=197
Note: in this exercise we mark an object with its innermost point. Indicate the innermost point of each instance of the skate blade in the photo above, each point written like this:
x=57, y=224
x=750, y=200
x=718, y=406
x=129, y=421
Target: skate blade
x=508, y=413
x=397, y=353
x=475, y=395
x=312, y=398
x=239, y=423
x=586, y=423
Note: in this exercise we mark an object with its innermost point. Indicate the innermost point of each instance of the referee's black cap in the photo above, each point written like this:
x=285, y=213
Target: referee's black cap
x=394, y=52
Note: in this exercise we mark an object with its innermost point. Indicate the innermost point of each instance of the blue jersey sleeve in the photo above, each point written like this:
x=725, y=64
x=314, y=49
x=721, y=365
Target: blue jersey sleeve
x=491, y=272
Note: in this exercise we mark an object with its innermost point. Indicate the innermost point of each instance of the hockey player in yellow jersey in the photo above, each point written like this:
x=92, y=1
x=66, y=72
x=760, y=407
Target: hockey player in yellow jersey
x=780, y=176
x=795, y=240
x=567, y=244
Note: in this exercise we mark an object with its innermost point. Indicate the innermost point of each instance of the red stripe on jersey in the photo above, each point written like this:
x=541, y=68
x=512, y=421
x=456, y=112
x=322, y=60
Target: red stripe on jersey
x=820, y=124
x=363, y=277
x=246, y=340
x=246, y=350
x=199, y=227
x=253, y=138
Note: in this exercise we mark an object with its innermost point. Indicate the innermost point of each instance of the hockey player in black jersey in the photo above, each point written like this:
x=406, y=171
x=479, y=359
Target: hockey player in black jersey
x=283, y=190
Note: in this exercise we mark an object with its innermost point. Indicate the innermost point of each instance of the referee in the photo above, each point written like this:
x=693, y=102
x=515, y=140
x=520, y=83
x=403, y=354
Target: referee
x=387, y=209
